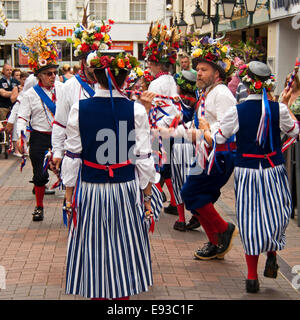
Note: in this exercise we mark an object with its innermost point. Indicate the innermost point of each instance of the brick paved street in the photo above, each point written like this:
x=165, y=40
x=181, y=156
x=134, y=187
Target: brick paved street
x=33, y=253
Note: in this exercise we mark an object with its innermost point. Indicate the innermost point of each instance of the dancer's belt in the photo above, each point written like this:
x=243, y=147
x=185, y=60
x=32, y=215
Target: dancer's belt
x=109, y=168
x=44, y=132
x=226, y=147
x=262, y=156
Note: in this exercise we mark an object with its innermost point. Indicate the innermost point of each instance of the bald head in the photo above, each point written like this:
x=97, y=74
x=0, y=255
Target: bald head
x=7, y=70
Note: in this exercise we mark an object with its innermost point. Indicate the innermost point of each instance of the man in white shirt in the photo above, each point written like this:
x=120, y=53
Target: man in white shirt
x=38, y=107
x=201, y=191
x=161, y=53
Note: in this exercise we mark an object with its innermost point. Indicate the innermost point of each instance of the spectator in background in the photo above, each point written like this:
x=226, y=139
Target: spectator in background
x=185, y=63
x=67, y=73
x=7, y=84
x=76, y=69
x=16, y=74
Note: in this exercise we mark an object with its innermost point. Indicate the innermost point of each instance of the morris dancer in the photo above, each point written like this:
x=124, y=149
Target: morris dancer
x=113, y=193
x=86, y=38
x=161, y=53
x=263, y=199
x=38, y=107
x=213, y=64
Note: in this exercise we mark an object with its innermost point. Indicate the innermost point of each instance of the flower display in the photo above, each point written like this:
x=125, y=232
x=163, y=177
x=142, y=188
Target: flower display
x=91, y=38
x=135, y=74
x=255, y=84
x=41, y=50
x=213, y=51
x=249, y=50
x=162, y=44
x=122, y=60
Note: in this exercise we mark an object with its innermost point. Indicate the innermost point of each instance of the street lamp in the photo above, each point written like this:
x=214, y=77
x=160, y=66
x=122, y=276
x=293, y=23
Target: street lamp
x=228, y=6
x=182, y=25
x=251, y=5
x=198, y=16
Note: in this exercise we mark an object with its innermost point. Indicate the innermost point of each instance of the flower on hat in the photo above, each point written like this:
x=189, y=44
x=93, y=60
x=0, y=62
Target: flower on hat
x=213, y=51
x=255, y=84
x=89, y=38
x=162, y=44
x=122, y=60
x=41, y=50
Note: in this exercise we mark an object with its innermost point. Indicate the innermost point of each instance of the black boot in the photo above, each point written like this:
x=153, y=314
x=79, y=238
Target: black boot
x=38, y=214
x=252, y=286
x=171, y=210
x=164, y=197
x=271, y=267
x=225, y=239
x=180, y=226
x=193, y=223
x=208, y=252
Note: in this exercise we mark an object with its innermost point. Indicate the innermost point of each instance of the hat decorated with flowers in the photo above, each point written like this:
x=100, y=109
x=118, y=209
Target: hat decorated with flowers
x=186, y=79
x=89, y=37
x=115, y=60
x=257, y=76
x=162, y=44
x=134, y=75
x=42, y=51
x=215, y=53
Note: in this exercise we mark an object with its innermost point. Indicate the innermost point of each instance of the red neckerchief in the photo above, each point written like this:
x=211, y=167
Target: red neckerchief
x=51, y=89
x=162, y=73
x=83, y=76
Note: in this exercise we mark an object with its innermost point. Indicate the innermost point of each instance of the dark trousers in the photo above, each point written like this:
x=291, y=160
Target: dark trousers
x=39, y=144
x=202, y=189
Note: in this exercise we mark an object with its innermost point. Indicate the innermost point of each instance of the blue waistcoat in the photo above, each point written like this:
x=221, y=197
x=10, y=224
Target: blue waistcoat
x=249, y=113
x=102, y=143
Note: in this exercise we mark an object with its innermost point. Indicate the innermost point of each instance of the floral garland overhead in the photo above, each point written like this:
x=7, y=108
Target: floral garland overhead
x=41, y=50
x=162, y=44
x=255, y=84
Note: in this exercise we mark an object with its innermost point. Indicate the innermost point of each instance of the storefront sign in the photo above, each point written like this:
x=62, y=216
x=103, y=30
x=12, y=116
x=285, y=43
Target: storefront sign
x=60, y=32
x=282, y=8
x=123, y=45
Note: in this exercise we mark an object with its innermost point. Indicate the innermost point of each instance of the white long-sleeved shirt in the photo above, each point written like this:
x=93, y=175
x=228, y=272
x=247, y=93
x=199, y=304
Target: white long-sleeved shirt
x=72, y=93
x=31, y=109
x=230, y=122
x=145, y=167
x=165, y=85
x=218, y=101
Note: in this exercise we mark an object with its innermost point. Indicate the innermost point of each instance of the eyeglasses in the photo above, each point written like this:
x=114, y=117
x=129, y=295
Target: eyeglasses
x=50, y=73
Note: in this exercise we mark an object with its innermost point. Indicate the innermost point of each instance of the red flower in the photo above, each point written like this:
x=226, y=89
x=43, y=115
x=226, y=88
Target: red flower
x=171, y=60
x=103, y=28
x=105, y=61
x=210, y=57
x=95, y=47
x=153, y=45
x=258, y=85
x=110, y=21
x=85, y=47
x=98, y=36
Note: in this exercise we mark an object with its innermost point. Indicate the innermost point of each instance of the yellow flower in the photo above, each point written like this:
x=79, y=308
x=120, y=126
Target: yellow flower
x=139, y=71
x=45, y=55
x=224, y=49
x=228, y=64
x=197, y=53
x=77, y=42
x=194, y=43
x=106, y=38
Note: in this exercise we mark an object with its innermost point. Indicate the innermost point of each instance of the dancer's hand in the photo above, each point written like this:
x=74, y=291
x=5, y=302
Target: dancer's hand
x=146, y=99
x=19, y=146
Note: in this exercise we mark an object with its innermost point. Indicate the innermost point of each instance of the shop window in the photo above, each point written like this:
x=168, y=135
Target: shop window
x=138, y=9
x=98, y=9
x=57, y=9
x=11, y=9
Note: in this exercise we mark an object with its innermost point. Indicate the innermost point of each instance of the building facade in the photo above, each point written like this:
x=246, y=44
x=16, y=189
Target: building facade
x=132, y=19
